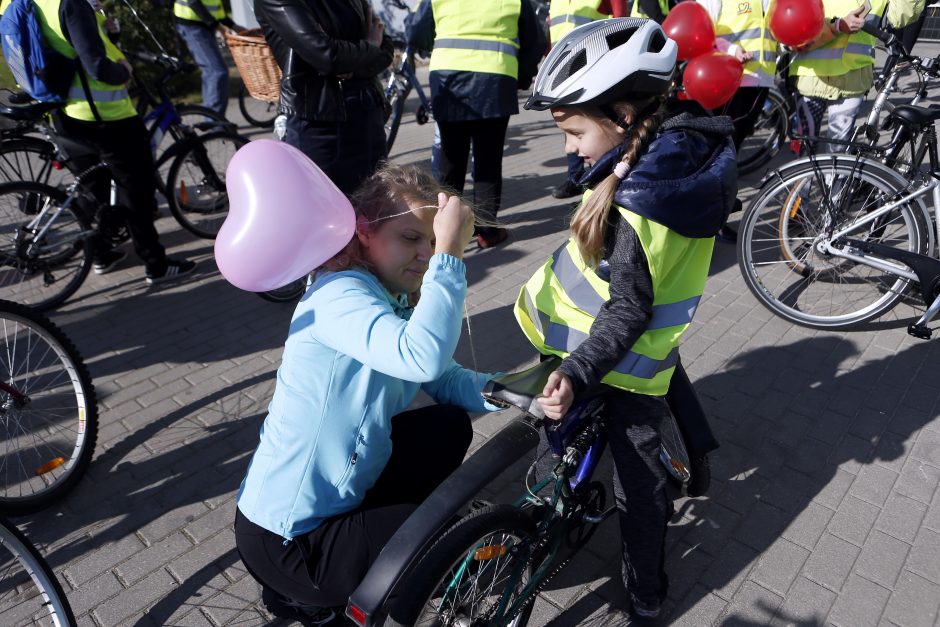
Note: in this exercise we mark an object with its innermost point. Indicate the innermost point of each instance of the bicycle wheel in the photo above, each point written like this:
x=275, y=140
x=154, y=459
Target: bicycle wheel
x=770, y=132
x=45, y=250
x=472, y=574
x=785, y=225
x=199, y=118
x=30, y=594
x=672, y=452
x=257, y=112
x=396, y=94
x=196, y=183
x=49, y=411
x=31, y=159
x=290, y=293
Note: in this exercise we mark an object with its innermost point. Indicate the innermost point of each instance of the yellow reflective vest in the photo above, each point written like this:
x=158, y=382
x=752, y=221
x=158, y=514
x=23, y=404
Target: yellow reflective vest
x=478, y=36
x=636, y=11
x=744, y=24
x=557, y=306
x=844, y=53
x=566, y=15
x=111, y=101
x=183, y=9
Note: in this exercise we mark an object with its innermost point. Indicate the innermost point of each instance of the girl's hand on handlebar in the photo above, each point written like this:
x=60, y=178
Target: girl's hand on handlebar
x=557, y=396
x=453, y=226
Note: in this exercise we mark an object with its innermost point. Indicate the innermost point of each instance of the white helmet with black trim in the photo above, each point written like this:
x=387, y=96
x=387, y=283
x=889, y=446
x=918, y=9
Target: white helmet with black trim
x=606, y=61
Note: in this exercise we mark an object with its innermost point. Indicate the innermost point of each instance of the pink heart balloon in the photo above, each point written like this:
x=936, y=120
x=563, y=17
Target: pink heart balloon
x=285, y=217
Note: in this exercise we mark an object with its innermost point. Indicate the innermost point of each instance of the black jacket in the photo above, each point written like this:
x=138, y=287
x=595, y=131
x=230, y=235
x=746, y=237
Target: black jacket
x=313, y=47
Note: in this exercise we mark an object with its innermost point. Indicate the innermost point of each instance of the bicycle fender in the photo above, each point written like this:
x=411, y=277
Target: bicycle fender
x=367, y=604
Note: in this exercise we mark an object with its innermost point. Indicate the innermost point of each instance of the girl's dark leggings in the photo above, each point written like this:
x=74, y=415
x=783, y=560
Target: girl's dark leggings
x=323, y=567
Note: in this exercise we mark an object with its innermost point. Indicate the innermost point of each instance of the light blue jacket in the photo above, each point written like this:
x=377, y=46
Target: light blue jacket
x=355, y=356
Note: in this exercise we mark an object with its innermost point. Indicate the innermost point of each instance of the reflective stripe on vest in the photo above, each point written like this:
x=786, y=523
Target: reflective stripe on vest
x=843, y=54
x=479, y=36
x=742, y=23
x=558, y=305
x=566, y=15
x=636, y=11
x=183, y=9
x=114, y=103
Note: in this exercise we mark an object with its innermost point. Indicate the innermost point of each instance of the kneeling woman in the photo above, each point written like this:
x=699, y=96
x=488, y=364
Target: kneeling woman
x=341, y=463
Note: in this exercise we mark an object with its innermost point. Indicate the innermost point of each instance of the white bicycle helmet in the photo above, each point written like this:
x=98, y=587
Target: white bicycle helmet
x=605, y=61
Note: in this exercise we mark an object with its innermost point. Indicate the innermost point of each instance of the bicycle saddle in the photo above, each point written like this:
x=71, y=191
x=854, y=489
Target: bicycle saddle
x=28, y=112
x=519, y=389
x=921, y=116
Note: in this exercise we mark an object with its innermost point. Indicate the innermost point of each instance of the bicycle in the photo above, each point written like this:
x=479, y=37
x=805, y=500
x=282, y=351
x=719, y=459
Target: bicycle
x=487, y=568
x=260, y=113
x=30, y=594
x=400, y=82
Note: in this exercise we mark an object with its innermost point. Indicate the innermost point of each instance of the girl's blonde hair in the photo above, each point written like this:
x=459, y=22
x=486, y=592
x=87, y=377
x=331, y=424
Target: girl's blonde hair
x=392, y=189
x=590, y=221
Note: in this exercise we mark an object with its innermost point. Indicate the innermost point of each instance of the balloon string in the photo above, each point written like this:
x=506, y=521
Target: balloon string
x=403, y=213
x=473, y=354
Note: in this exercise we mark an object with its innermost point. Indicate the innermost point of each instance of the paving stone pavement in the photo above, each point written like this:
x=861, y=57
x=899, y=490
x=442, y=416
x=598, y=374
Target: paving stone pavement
x=825, y=507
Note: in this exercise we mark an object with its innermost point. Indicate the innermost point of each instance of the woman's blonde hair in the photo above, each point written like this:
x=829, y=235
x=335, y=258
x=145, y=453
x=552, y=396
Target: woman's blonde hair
x=392, y=189
x=590, y=221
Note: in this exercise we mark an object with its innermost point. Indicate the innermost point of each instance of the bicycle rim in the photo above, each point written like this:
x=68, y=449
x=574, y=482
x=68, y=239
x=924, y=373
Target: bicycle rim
x=256, y=112
x=396, y=101
x=197, y=195
x=769, y=133
x=784, y=268
x=30, y=159
x=195, y=117
x=290, y=293
x=40, y=270
x=30, y=594
x=672, y=452
x=48, y=415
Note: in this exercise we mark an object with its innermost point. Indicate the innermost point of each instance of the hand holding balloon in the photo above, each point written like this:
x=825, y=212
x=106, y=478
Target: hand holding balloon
x=286, y=217
x=453, y=226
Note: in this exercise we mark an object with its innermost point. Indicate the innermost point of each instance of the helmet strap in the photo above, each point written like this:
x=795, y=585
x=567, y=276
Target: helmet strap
x=611, y=115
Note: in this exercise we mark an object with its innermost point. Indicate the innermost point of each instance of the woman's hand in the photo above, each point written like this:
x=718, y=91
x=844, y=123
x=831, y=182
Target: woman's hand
x=453, y=226
x=557, y=396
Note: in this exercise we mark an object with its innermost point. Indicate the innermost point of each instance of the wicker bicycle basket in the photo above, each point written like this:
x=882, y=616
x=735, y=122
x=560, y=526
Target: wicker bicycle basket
x=255, y=62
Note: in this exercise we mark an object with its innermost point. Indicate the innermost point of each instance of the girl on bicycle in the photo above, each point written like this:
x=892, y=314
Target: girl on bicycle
x=342, y=462
x=614, y=300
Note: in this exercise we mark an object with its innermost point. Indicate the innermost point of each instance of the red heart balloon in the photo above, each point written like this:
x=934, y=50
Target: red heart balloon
x=691, y=27
x=711, y=79
x=795, y=23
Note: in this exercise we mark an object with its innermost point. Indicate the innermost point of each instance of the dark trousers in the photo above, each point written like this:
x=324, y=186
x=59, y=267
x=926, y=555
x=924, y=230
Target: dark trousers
x=744, y=109
x=323, y=567
x=487, y=138
x=347, y=152
x=125, y=146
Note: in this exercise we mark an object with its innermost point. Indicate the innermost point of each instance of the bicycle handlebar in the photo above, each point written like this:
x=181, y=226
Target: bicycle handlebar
x=873, y=29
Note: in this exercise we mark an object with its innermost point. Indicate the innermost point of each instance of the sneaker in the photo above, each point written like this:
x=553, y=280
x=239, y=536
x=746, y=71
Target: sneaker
x=492, y=237
x=174, y=270
x=109, y=260
x=567, y=190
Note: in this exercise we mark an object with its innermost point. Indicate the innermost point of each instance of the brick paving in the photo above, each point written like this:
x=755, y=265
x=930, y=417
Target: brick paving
x=825, y=507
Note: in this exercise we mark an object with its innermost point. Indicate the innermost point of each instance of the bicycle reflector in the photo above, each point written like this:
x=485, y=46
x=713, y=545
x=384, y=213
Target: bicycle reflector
x=489, y=552
x=50, y=466
x=356, y=614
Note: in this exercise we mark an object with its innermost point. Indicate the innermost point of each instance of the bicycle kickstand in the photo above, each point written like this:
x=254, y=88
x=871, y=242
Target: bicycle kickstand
x=919, y=329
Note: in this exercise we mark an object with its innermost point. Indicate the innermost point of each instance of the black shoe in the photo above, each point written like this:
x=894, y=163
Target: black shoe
x=701, y=471
x=108, y=260
x=174, y=269
x=644, y=612
x=309, y=616
x=567, y=190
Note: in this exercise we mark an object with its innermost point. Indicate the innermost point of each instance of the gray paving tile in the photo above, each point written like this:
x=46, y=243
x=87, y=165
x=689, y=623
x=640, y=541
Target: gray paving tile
x=831, y=562
x=860, y=604
x=914, y=602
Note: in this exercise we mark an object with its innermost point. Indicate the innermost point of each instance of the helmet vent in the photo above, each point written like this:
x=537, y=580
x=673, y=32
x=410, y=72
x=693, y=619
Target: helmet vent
x=657, y=41
x=575, y=63
x=618, y=38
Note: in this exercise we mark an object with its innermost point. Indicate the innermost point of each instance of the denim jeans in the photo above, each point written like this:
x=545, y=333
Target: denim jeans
x=202, y=45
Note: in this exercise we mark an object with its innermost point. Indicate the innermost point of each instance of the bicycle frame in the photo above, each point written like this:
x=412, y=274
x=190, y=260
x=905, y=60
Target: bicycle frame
x=406, y=70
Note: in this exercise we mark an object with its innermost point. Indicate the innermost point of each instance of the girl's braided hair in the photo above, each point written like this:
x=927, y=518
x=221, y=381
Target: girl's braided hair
x=591, y=219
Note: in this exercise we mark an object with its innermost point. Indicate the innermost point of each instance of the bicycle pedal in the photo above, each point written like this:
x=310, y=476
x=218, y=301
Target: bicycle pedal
x=920, y=331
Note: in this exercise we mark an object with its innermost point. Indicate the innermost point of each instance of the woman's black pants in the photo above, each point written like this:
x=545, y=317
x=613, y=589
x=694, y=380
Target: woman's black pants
x=323, y=567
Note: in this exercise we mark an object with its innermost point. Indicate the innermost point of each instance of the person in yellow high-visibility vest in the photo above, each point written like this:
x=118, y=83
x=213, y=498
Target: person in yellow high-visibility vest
x=564, y=16
x=833, y=73
x=98, y=112
x=196, y=23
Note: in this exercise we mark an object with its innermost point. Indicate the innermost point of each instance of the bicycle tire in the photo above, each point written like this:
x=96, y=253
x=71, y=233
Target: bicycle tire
x=396, y=101
x=494, y=523
x=45, y=278
x=256, y=112
x=48, y=438
x=201, y=119
x=30, y=159
x=770, y=133
x=30, y=594
x=290, y=293
x=196, y=184
x=777, y=237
